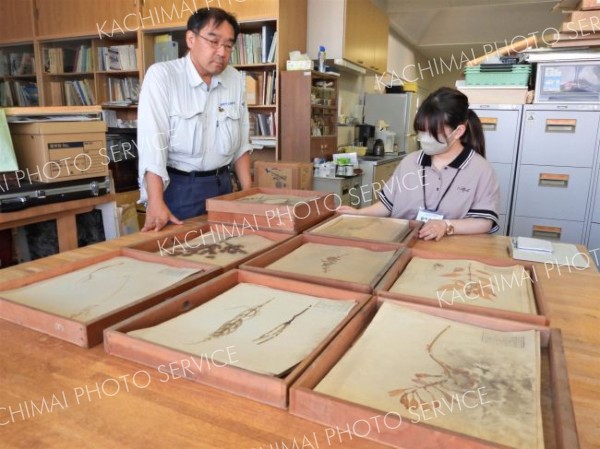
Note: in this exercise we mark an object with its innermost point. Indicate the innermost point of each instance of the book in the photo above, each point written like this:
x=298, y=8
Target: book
x=267, y=39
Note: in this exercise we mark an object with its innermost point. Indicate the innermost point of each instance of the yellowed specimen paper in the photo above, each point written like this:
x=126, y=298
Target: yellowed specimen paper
x=449, y=282
x=275, y=200
x=95, y=290
x=435, y=371
x=346, y=263
x=270, y=330
x=212, y=248
x=369, y=228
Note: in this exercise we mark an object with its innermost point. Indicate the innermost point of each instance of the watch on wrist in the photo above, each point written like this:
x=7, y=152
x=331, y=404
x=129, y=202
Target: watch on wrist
x=449, y=228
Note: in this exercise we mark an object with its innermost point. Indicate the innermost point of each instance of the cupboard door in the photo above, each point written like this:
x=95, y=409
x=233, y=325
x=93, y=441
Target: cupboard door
x=380, y=41
x=169, y=12
x=356, y=32
x=104, y=18
x=16, y=20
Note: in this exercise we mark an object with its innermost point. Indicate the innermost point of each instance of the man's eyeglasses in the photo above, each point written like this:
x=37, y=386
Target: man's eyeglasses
x=215, y=45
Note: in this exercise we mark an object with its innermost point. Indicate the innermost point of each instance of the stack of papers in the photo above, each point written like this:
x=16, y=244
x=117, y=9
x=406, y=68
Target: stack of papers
x=543, y=251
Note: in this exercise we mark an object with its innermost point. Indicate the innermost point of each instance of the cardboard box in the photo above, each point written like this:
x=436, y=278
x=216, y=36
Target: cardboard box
x=60, y=151
x=299, y=65
x=284, y=175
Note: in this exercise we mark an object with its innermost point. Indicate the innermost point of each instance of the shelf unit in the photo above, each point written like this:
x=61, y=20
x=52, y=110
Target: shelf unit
x=309, y=122
x=72, y=23
x=18, y=81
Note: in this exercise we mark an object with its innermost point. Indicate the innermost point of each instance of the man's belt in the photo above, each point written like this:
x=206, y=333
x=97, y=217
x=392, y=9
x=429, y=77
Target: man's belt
x=200, y=174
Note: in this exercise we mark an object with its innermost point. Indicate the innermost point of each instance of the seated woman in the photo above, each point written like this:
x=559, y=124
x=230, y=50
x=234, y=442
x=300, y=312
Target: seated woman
x=448, y=184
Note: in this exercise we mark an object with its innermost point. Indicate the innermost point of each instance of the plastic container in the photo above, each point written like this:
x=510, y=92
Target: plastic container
x=518, y=75
x=322, y=58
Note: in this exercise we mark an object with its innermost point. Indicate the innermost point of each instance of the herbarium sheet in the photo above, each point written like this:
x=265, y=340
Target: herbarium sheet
x=214, y=249
x=346, y=263
x=97, y=289
x=431, y=370
x=275, y=199
x=457, y=281
x=369, y=228
x=271, y=330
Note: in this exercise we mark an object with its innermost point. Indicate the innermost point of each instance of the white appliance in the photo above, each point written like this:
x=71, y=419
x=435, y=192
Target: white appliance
x=388, y=138
x=398, y=110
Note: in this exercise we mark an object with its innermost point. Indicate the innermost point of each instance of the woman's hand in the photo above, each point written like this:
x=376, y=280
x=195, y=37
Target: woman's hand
x=348, y=210
x=433, y=230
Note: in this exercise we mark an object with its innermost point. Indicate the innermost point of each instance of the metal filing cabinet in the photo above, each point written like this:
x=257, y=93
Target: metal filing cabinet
x=553, y=188
x=501, y=123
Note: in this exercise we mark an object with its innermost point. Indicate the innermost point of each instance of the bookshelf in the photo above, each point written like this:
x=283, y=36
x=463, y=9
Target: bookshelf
x=18, y=83
x=64, y=27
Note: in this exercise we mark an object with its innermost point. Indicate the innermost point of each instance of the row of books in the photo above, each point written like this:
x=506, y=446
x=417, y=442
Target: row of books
x=256, y=48
x=16, y=64
x=260, y=87
x=123, y=91
x=262, y=124
x=117, y=58
x=68, y=60
x=18, y=93
x=72, y=93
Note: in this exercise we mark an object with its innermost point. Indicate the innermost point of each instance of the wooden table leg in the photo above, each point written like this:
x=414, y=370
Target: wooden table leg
x=66, y=228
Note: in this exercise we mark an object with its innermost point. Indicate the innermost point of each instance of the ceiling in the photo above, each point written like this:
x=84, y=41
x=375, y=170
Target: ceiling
x=442, y=28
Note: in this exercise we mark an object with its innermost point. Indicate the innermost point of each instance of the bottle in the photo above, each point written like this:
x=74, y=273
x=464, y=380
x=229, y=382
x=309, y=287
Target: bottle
x=321, y=59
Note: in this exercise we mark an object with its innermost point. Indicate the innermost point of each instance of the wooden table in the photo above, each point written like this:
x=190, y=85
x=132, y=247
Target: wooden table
x=64, y=213
x=97, y=404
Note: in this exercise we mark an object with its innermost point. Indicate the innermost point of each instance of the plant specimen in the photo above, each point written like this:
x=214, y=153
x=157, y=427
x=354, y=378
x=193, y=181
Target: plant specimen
x=330, y=261
x=235, y=323
x=211, y=251
x=429, y=386
x=474, y=283
x=277, y=330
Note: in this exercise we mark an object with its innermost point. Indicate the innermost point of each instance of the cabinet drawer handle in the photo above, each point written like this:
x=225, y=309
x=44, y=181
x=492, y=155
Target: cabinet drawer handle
x=561, y=125
x=553, y=180
x=546, y=232
x=489, y=123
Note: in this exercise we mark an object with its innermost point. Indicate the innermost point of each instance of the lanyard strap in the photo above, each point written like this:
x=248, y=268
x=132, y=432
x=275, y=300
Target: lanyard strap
x=443, y=195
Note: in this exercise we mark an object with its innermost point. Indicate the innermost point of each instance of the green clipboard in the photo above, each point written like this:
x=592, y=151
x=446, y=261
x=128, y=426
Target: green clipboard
x=8, y=159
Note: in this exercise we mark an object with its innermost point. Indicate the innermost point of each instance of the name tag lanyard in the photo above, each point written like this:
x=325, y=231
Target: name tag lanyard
x=443, y=195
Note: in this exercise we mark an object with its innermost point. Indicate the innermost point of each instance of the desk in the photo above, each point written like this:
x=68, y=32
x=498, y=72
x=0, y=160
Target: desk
x=64, y=213
x=182, y=414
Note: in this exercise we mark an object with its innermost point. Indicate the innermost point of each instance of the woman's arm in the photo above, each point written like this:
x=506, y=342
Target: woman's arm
x=436, y=229
x=375, y=210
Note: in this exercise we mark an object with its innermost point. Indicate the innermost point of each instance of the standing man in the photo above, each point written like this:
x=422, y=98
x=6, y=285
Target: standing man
x=192, y=124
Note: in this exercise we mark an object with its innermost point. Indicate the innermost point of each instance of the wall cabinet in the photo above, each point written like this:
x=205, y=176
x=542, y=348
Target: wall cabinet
x=355, y=30
x=16, y=21
x=309, y=116
x=555, y=176
x=69, y=18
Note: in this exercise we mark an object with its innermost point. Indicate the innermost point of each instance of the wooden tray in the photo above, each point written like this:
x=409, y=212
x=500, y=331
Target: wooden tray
x=90, y=333
x=260, y=387
x=226, y=209
x=223, y=230
x=409, y=239
x=396, y=270
x=560, y=431
x=259, y=264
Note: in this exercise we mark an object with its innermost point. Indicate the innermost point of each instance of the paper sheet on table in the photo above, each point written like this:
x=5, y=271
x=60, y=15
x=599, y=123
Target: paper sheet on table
x=90, y=292
x=8, y=159
x=269, y=330
x=406, y=359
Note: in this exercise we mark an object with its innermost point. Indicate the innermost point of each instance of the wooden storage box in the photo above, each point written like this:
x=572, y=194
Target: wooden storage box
x=396, y=270
x=590, y=4
x=260, y=263
x=291, y=219
x=89, y=333
x=164, y=246
x=61, y=151
x=557, y=410
x=408, y=240
x=260, y=387
x=284, y=175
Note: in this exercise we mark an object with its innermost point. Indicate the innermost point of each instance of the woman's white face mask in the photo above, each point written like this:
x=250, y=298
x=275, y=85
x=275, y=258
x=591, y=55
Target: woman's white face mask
x=431, y=146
